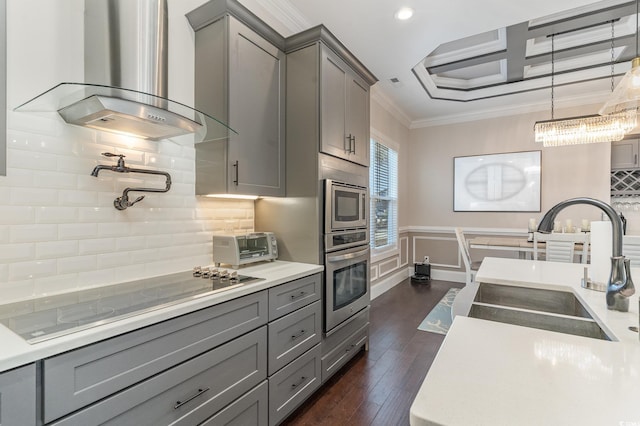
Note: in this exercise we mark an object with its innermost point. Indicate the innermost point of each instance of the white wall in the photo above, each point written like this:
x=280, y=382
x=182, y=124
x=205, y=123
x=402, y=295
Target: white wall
x=580, y=170
x=58, y=227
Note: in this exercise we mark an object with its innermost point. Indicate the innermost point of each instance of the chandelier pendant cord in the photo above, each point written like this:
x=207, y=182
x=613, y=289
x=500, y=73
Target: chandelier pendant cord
x=552, y=74
x=612, y=55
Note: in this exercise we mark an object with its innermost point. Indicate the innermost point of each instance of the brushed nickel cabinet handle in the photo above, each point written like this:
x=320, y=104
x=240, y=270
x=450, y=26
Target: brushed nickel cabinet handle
x=299, y=335
x=301, y=381
x=181, y=403
x=237, y=173
x=296, y=296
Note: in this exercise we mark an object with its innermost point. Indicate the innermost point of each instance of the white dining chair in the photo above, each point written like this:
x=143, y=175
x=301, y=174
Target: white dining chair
x=470, y=266
x=561, y=247
x=631, y=249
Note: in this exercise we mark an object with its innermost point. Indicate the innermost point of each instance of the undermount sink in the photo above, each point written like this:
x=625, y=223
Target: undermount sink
x=551, y=310
x=553, y=301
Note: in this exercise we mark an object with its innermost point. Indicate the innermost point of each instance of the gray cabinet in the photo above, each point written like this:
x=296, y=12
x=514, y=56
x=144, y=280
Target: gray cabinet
x=250, y=409
x=293, y=335
x=292, y=385
x=343, y=342
x=344, y=110
x=239, y=77
x=18, y=396
x=187, y=394
x=624, y=154
x=286, y=298
x=81, y=377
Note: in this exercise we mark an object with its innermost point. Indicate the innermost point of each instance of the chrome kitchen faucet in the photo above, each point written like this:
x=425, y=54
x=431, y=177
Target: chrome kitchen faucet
x=123, y=202
x=620, y=286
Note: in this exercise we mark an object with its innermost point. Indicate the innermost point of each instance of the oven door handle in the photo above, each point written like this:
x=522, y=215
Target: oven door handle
x=347, y=256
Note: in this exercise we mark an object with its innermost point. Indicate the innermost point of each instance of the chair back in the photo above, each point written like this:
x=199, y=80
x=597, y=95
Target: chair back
x=464, y=249
x=631, y=249
x=561, y=247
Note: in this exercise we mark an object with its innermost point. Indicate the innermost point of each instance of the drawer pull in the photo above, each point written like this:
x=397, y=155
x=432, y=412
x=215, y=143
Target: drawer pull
x=181, y=403
x=350, y=347
x=296, y=296
x=299, y=335
x=301, y=381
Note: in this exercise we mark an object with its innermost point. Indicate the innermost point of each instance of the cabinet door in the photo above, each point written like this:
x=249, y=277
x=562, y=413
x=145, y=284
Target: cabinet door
x=624, y=154
x=256, y=112
x=358, y=120
x=18, y=396
x=333, y=93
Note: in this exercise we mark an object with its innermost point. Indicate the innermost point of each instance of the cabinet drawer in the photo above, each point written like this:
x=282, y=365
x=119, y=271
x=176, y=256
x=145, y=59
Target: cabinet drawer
x=187, y=394
x=250, y=409
x=83, y=376
x=338, y=357
x=338, y=335
x=18, y=396
x=286, y=298
x=294, y=334
x=292, y=385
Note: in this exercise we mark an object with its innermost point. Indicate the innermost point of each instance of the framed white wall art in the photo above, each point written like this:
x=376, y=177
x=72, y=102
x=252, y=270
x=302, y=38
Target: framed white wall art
x=507, y=182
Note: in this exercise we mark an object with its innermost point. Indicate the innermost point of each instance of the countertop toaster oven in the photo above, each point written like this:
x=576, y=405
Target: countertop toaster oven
x=236, y=250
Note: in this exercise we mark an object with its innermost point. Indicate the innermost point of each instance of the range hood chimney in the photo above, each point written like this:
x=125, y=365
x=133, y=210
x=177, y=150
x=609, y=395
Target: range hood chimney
x=125, y=65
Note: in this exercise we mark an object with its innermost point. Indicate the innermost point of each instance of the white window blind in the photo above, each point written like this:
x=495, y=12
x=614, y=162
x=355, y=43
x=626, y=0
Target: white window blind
x=383, y=193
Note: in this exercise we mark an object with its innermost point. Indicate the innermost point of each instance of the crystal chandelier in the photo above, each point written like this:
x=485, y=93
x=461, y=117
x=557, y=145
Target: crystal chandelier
x=584, y=129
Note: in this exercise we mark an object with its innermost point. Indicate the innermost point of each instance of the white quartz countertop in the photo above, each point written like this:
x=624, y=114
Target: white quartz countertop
x=489, y=373
x=16, y=352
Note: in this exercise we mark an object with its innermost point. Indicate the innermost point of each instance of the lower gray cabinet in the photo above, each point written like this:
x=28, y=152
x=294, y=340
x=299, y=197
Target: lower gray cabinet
x=18, y=396
x=187, y=394
x=343, y=343
x=294, y=334
x=292, y=385
x=78, y=378
x=250, y=409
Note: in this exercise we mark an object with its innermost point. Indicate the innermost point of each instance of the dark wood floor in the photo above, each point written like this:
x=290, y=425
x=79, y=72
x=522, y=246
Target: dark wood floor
x=377, y=387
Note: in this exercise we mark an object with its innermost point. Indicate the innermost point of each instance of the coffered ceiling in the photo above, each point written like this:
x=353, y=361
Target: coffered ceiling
x=457, y=60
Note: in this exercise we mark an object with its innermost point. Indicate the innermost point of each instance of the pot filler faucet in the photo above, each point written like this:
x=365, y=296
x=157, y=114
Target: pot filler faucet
x=123, y=202
x=620, y=286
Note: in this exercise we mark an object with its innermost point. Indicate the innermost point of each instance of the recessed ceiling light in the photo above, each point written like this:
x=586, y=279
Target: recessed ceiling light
x=404, y=13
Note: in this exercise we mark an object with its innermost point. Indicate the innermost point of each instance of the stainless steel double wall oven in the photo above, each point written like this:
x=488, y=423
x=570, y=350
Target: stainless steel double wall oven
x=346, y=241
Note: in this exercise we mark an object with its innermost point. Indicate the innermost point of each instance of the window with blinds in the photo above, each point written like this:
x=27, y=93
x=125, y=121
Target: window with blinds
x=383, y=193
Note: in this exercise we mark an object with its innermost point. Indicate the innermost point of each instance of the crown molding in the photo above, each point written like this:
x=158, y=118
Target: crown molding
x=378, y=96
x=485, y=114
x=287, y=14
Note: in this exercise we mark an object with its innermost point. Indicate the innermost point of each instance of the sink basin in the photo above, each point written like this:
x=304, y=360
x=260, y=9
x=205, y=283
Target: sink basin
x=562, y=324
x=551, y=310
x=552, y=301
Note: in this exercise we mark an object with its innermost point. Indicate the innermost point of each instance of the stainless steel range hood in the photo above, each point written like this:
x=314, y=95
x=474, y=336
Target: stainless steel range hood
x=125, y=88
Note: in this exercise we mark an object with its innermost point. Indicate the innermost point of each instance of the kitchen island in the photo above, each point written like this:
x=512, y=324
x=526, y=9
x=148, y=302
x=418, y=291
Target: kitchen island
x=490, y=373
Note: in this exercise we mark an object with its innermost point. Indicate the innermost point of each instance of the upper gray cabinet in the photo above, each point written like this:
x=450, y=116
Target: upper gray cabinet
x=344, y=110
x=624, y=154
x=327, y=96
x=239, y=77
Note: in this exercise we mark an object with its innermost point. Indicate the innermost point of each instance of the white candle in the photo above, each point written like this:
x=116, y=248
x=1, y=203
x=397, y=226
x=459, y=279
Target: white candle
x=569, y=225
x=532, y=225
x=585, y=225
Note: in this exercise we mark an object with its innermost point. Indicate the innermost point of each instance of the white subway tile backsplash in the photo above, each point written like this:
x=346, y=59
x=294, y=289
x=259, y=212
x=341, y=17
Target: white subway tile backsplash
x=33, y=233
x=67, y=265
x=98, y=245
x=13, y=215
x=130, y=243
x=31, y=269
x=56, y=180
x=56, y=214
x=13, y=291
x=31, y=160
x=59, y=230
x=77, y=231
x=32, y=197
x=77, y=198
x=116, y=229
x=114, y=260
x=17, y=252
x=55, y=284
x=55, y=249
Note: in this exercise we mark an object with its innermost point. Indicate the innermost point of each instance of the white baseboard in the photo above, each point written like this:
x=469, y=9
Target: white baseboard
x=388, y=283
x=454, y=276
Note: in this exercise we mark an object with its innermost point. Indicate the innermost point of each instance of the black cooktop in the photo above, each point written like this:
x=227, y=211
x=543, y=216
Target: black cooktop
x=45, y=318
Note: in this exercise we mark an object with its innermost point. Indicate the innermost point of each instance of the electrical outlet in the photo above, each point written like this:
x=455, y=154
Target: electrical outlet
x=426, y=259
